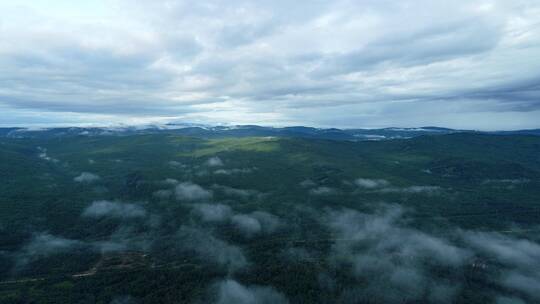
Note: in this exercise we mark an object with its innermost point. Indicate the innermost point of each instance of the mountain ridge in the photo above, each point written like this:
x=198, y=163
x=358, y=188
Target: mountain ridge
x=213, y=131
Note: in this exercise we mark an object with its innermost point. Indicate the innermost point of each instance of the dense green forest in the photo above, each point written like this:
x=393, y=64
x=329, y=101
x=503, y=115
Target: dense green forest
x=164, y=218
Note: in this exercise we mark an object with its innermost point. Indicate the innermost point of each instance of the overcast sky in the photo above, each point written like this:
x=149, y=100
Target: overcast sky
x=364, y=63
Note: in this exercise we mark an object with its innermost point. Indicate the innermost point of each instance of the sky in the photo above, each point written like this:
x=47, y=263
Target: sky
x=346, y=64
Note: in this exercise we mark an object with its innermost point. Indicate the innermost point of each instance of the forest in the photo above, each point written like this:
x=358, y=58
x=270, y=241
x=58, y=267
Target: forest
x=169, y=218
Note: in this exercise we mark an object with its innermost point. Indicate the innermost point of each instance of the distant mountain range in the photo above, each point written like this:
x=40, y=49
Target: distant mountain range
x=208, y=131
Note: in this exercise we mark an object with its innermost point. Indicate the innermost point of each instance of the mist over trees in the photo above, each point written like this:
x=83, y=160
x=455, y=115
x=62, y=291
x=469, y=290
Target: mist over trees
x=316, y=221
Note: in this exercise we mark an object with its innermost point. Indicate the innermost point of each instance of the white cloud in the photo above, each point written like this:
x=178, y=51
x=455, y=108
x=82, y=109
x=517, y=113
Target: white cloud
x=213, y=212
x=214, y=162
x=43, y=245
x=307, y=183
x=176, y=164
x=188, y=191
x=212, y=249
x=247, y=62
x=233, y=171
x=242, y=193
x=170, y=181
x=43, y=155
x=384, y=186
x=113, y=209
x=86, y=177
x=371, y=183
x=381, y=249
x=413, y=189
x=256, y=222
x=322, y=190
x=246, y=224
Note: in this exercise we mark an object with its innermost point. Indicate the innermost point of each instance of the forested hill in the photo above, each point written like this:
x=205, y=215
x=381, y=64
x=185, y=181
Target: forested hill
x=161, y=217
x=205, y=131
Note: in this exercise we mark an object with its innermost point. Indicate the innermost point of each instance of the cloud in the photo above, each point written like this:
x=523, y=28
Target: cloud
x=87, y=177
x=384, y=186
x=269, y=222
x=513, y=181
x=520, y=258
x=371, y=183
x=527, y=284
x=242, y=193
x=322, y=190
x=392, y=261
x=100, y=209
x=176, y=164
x=213, y=212
x=508, y=183
x=233, y=171
x=251, y=65
x=356, y=226
x=42, y=245
x=128, y=237
x=230, y=291
x=214, y=162
x=296, y=254
x=255, y=223
x=124, y=237
x=111, y=246
x=170, y=181
x=522, y=253
x=307, y=183
x=508, y=300
x=246, y=224
x=211, y=249
x=380, y=249
x=188, y=191
x=43, y=155
x=413, y=189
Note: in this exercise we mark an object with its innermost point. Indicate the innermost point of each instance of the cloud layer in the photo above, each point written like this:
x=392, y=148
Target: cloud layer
x=393, y=262
x=339, y=63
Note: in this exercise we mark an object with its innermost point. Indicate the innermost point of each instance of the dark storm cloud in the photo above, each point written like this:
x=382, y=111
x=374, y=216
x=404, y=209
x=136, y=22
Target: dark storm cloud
x=341, y=63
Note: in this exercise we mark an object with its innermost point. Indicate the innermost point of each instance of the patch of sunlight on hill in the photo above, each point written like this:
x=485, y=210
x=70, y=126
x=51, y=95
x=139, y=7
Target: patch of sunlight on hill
x=255, y=144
